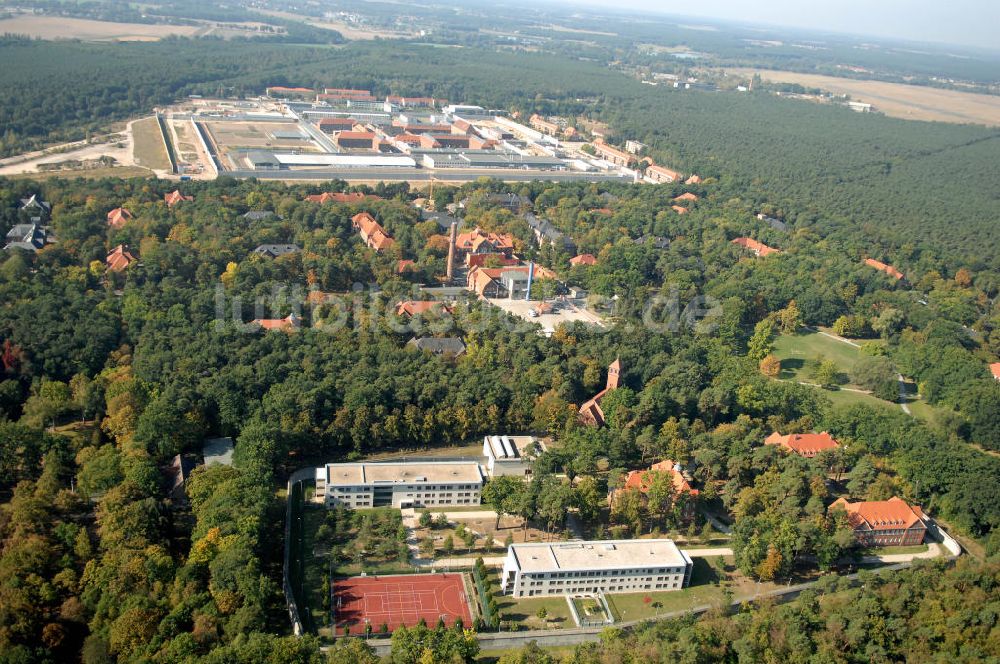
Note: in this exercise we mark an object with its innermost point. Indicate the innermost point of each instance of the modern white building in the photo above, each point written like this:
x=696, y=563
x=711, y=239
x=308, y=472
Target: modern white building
x=612, y=566
x=424, y=483
x=510, y=455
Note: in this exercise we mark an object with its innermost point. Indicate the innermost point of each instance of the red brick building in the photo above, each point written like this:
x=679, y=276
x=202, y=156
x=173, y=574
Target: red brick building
x=806, y=445
x=890, y=522
x=590, y=411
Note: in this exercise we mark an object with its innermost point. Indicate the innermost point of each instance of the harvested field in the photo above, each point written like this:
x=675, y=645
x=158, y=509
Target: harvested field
x=910, y=102
x=57, y=27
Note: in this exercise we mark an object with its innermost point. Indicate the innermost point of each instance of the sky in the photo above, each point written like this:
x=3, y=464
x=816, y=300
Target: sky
x=962, y=22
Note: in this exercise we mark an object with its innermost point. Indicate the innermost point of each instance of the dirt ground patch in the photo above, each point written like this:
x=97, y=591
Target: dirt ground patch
x=89, y=173
x=910, y=102
x=148, y=146
x=57, y=27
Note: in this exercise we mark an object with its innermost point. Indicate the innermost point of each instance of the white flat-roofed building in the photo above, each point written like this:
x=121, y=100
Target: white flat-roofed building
x=510, y=455
x=344, y=161
x=423, y=483
x=612, y=566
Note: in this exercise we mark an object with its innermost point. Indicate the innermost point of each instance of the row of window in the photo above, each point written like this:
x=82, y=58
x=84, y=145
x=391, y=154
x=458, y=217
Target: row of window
x=610, y=589
x=607, y=572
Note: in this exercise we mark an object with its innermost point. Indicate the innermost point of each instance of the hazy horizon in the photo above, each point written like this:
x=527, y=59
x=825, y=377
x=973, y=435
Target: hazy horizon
x=970, y=23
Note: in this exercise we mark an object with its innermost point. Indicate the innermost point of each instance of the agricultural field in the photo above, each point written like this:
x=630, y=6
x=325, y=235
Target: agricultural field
x=57, y=27
x=910, y=102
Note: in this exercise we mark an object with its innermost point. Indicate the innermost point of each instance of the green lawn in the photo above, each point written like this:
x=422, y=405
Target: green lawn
x=893, y=550
x=704, y=589
x=797, y=351
x=524, y=611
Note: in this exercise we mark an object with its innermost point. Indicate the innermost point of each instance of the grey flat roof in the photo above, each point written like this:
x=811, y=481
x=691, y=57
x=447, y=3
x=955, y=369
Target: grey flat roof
x=598, y=555
x=429, y=471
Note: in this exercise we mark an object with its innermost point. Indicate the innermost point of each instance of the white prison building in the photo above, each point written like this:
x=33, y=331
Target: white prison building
x=510, y=455
x=424, y=483
x=612, y=566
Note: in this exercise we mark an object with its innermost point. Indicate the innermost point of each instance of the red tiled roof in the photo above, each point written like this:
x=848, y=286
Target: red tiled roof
x=678, y=209
x=175, y=197
x=337, y=122
x=803, y=444
x=328, y=197
x=995, y=370
x=892, y=514
x=759, y=248
x=292, y=322
x=474, y=239
x=371, y=231
x=120, y=258
x=640, y=479
x=888, y=269
x=281, y=88
x=686, y=196
x=478, y=260
x=403, y=264
x=583, y=259
x=668, y=173
x=694, y=179
x=417, y=307
x=119, y=217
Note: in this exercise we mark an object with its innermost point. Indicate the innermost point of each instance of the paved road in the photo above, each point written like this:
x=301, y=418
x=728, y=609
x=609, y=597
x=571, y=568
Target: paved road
x=902, y=394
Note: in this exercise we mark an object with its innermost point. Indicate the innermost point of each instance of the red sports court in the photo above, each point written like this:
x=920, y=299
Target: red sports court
x=400, y=600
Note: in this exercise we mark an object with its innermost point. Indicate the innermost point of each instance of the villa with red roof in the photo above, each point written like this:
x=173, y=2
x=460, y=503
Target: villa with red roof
x=583, y=259
x=120, y=258
x=371, y=232
x=661, y=174
x=410, y=308
x=678, y=209
x=481, y=242
x=119, y=217
x=686, y=196
x=175, y=197
x=639, y=480
x=995, y=370
x=328, y=197
x=882, y=267
x=288, y=324
x=805, y=445
x=694, y=179
x=890, y=522
x=758, y=248
x=590, y=412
